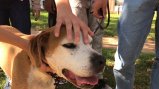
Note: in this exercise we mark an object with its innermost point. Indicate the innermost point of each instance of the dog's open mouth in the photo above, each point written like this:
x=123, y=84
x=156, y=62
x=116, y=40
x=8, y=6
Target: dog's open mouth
x=82, y=82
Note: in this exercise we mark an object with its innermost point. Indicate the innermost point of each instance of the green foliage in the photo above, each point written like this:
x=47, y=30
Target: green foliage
x=2, y=80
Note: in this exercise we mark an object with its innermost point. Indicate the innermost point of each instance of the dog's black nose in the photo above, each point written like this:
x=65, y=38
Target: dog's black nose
x=98, y=62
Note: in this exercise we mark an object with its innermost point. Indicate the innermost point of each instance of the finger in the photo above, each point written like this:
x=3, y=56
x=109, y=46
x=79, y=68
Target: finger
x=76, y=32
x=85, y=37
x=85, y=30
x=91, y=33
x=69, y=29
x=96, y=13
x=57, y=28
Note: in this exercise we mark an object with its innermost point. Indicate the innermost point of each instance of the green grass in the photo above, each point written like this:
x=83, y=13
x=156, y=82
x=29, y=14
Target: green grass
x=143, y=63
x=2, y=80
x=41, y=23
x=143, y=68
x=112, y=28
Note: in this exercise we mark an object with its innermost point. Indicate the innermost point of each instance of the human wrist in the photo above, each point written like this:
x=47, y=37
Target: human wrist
x=63, y=5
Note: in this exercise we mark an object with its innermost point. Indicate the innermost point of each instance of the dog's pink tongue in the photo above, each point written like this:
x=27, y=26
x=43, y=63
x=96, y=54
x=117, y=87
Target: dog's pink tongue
x=86, y=80
x=82, y=80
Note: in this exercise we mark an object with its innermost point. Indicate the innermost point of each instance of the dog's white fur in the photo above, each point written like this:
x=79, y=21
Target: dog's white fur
x=17, y=65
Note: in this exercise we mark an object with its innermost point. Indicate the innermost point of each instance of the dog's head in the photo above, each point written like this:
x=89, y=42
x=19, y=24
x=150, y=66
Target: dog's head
x=79, y=64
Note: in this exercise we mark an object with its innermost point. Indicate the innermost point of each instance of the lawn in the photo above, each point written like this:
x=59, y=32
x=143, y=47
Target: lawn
x=143, y=63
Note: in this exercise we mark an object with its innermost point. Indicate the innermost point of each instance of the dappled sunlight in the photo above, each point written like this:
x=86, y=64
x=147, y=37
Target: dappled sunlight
x=109, y=62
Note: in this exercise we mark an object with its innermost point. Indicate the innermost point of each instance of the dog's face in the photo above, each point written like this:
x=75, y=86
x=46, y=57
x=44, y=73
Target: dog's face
x=79, y=64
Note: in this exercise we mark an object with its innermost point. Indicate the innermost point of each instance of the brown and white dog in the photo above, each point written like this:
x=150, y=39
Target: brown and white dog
x=78, y=64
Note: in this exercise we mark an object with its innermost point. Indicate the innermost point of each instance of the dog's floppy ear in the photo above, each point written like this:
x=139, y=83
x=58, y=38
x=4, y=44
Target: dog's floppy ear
x=38, y=46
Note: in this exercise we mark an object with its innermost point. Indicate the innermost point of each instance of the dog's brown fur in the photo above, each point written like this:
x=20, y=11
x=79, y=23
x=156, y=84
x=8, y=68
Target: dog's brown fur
x=16, y=63
x=75, y=63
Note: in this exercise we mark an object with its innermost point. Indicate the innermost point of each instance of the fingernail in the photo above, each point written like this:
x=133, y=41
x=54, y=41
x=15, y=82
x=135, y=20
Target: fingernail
x=56, y=34
x=86, y=41
x=92, y=33
x=76, y=40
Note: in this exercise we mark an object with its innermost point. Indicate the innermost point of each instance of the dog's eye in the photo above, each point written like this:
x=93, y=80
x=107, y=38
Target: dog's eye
x=69, y=45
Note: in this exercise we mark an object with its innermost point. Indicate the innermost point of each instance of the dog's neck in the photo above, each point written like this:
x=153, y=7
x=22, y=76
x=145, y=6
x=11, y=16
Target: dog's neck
x=41, y=79
x=56, y=78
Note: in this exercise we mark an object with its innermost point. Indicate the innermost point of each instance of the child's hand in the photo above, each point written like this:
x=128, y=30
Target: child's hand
x=99, y=8
x=66, y=17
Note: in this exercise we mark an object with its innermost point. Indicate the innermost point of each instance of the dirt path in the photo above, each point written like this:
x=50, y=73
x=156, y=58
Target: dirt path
x=111, y=42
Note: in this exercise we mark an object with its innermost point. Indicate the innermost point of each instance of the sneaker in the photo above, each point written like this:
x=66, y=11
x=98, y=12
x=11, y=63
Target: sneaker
x=7, y=85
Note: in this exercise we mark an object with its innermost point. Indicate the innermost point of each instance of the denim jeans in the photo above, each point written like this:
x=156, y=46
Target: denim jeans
x=155, y=66
x=133, y=27
x=155, y=75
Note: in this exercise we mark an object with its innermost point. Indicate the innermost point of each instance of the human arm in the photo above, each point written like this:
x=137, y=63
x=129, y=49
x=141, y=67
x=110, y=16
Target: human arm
x=11, y=35
x=16, y=38
x=65, y=16
x=99, y=8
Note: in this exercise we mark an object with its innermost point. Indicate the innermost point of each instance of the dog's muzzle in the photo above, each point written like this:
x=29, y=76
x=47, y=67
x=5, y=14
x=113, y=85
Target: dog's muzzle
x=98, y=62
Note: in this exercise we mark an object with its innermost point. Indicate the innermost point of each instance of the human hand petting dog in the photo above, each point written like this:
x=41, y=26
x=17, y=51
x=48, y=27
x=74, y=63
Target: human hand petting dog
x=99, y=8
x=72, y=22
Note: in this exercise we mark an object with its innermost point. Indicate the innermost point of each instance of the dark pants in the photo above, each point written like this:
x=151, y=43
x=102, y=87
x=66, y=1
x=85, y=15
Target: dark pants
x=18, y=15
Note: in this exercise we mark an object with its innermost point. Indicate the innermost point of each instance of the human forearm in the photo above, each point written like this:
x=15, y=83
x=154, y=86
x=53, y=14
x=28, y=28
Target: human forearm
x=14, y=38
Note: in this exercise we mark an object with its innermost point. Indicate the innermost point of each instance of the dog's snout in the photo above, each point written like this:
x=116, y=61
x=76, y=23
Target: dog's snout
x=98, y=62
